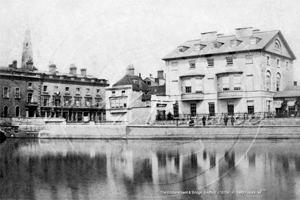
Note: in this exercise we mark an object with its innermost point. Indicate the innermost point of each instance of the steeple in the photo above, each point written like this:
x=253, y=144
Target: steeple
x=27, y=59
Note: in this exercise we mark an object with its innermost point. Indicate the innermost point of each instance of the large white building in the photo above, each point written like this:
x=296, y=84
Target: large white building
x=229, y=73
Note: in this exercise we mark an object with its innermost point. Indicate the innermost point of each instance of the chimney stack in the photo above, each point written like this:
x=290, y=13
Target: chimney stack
x=130, y=70
x=244, y=32
x=73, y=69
x=83, y=71
x=160, y=74
x=14, y=63
x=209, y=36
x=52, y=68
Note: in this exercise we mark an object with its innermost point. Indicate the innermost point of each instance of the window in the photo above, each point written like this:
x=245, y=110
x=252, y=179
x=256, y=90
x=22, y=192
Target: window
x=193, y=109
x=249, y=83
x=199, y=85
x=67, y=90
x=210, y=62
x=277, y=45
x=45, y=100
x=5, y=92
x=17, y=93
x=192, y=64
x=229, y=60
x=98, y=91
x=77, y=101
x=287, y=65
x=188, y=89
x=113, y=93
x=278, y=82
x=56, y=89
x=253, y=40
x=237, y=82
x=98, y=101
x=278, y=63
x=211, y=109
x=268, y=60
x=182, y=48
x=197, y=47
x=67, y=100
x=225, y=83
x=268, y=80
x=187, y=86
x=174, y=64
x=88, y=102
x=250, y=106
x=249, y=59
x=29, y=98
x=29, y=85
x=118, y=102
x=56, y=101
x=17, y=109
x=78, y=91
x=123, y=92
x=45, y=88
x=87, y=91
x=5, y=111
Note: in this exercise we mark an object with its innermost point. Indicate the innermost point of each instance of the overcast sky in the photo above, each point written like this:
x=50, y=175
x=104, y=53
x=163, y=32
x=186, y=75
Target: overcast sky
x=105, y=36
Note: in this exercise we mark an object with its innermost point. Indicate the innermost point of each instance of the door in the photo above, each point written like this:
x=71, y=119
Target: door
x=230, y=109
x=211, y=109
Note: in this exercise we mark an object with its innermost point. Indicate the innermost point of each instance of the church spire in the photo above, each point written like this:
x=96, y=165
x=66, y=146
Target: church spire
x=27, y=59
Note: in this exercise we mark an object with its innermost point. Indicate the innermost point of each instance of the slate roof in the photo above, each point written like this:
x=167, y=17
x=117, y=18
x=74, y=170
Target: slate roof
x=289, y=91
x=264, y=39
x=140, y=85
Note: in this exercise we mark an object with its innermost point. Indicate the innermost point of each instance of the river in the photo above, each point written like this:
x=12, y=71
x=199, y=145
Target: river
x=150, y=169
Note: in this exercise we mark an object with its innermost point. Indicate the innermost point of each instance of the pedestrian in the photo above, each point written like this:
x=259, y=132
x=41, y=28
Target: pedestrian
x=225, y=120
x=203, y=120
x=191, y=122
x=232, y=120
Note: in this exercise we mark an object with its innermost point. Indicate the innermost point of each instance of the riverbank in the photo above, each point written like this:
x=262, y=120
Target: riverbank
x=266, y=129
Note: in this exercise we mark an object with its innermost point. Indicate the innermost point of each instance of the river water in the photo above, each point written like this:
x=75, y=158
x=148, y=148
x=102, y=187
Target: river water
x=150, y=169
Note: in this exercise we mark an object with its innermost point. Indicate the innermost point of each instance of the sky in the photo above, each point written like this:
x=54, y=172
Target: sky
x=105, y=36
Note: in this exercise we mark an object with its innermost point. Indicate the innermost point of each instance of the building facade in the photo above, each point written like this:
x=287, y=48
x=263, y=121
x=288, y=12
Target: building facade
x=229, y=74
x=28, y=92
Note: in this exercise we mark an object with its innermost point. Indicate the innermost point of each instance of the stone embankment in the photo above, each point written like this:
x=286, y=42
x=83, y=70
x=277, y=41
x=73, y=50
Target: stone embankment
x=265, y=129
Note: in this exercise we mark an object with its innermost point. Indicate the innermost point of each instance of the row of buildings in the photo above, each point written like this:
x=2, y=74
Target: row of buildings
x=249, y=72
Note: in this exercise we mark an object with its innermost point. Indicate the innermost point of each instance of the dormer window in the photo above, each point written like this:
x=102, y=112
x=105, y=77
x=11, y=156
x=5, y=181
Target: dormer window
x=234, y=43
x=210, y=62
x=135, y=81
x=113, y=93
x=199, y=47
x=217, y=45
x=254, y=40
x=182, y=48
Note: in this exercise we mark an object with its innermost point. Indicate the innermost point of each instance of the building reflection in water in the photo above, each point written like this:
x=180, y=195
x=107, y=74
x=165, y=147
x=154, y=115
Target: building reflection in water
x=88, y=169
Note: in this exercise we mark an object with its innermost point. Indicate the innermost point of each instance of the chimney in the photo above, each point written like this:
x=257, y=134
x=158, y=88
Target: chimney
x=14, y=64
x=160, y=74
x=130, y=70
x=150, y=75
x=244, y=32
x=140, y=75
x=83, y=71
x=29, y=65
x=295, y=83
x=209, y=36
x=52, y=68
x=73, y=69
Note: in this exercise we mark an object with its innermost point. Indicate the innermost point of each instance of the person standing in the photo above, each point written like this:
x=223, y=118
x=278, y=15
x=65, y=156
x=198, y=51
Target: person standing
x=203, y=120
x=232, y=120
x=225, y=120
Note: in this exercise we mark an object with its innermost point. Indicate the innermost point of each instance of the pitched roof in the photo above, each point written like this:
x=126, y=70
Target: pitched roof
x=264, y=38
x=137, y=83
x=289, y=91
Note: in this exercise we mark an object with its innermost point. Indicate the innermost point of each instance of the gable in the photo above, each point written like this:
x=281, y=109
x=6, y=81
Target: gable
x=279, y=46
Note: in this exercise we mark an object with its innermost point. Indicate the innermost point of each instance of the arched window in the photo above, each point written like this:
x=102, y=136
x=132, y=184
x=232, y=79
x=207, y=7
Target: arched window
x=278, y=82
x=17, y=111
x=268, y=80
x=277, y=45
x=5, y=111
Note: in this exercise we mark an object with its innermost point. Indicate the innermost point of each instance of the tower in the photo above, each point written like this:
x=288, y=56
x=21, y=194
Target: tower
x=27, y=57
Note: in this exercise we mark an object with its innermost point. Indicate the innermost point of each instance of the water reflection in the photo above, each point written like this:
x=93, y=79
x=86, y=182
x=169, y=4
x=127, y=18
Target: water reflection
x=103, y=169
